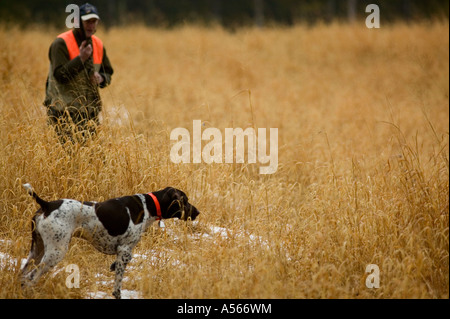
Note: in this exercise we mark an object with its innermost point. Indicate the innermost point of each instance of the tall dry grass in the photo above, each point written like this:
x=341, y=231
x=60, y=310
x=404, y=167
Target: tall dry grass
x=363, y=151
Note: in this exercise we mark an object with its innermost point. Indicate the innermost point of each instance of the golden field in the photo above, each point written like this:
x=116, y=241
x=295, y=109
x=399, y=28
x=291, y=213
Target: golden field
x=363, y=150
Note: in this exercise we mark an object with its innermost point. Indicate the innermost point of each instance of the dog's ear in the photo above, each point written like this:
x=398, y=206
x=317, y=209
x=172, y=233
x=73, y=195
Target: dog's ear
x=178, y=204
x=173, y=202
x=175, y=194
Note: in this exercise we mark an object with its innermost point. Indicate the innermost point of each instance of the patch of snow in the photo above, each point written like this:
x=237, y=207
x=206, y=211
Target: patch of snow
x=126, y=294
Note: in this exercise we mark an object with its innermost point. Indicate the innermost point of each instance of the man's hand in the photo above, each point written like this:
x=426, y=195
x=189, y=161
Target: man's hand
x=96, y=78
x=85, y=51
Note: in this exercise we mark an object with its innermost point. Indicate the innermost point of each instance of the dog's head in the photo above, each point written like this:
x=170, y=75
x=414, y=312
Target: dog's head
x=175, y=203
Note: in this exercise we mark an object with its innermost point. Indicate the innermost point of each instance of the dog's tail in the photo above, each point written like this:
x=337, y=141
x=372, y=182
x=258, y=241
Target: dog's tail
x=39, y=200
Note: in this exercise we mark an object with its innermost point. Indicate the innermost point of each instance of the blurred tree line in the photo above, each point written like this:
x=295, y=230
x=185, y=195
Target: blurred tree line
x=229, y=13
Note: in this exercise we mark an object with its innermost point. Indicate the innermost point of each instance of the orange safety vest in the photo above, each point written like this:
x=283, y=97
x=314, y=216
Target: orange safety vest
x=74, y=50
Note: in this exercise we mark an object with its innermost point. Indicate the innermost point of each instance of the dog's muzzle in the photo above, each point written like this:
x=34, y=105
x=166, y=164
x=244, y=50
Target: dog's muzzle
x=189, y=212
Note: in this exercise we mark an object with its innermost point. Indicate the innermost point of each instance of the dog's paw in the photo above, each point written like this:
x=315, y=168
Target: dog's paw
x=116, y=294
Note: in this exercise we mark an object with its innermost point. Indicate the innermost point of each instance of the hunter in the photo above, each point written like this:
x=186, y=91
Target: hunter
x=79, y=66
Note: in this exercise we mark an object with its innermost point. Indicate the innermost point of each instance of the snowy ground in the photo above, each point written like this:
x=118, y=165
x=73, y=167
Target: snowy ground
x=210, y=232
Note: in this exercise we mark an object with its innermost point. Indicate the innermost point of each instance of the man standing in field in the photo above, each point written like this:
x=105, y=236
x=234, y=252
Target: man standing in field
x=78, y=67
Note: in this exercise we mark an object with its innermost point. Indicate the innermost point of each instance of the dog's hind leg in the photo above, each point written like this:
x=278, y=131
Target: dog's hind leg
x=52, y=256
x=124, y=255
x=44, y=255
x=34, y=257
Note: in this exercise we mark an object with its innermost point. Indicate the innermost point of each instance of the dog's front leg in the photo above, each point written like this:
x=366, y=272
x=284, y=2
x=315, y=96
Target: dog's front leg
x=123, y=258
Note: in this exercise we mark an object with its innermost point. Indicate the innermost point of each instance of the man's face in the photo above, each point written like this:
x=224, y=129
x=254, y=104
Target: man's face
x=90, y=26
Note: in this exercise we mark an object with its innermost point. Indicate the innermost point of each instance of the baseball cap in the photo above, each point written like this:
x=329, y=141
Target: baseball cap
x=88, y=11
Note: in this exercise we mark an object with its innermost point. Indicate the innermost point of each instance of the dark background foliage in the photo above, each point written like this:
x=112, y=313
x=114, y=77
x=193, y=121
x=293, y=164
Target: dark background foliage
x=228, y=13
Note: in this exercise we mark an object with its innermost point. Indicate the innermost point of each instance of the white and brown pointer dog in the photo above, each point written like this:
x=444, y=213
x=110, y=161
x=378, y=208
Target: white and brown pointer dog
x=113, y=227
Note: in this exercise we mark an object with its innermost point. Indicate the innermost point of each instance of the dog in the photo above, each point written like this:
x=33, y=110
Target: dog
x=113, y=227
